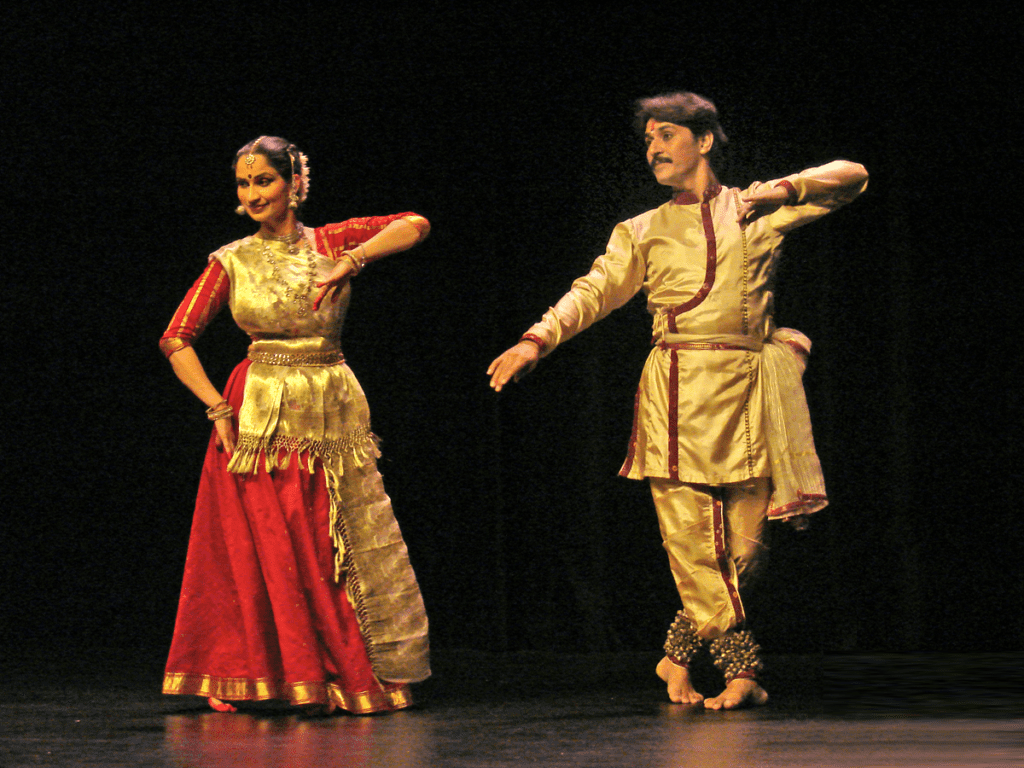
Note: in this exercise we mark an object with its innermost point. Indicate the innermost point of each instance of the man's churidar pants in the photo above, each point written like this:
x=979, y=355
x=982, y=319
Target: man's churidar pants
x=713, y=538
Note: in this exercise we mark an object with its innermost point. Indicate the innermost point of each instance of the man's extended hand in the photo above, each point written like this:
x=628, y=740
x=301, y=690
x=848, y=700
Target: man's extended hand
x=513, y=363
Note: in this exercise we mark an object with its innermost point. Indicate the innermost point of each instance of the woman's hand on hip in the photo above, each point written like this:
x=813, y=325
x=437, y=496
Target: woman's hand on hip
x=225, y=435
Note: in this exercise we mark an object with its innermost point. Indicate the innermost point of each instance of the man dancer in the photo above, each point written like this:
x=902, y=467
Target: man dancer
x=721, y=428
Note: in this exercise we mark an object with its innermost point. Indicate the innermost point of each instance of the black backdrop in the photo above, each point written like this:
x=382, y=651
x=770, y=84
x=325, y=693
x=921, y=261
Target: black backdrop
x=510, y=130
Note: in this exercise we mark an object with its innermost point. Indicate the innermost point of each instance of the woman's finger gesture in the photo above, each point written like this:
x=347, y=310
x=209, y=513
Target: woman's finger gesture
x=342, y=272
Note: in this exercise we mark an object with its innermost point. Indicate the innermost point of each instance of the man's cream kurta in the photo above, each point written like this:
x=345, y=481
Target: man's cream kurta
x=704, y=405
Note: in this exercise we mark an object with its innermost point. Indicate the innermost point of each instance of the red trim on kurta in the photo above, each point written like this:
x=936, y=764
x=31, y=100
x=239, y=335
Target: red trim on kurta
x=794, y=196
x=710, y=269
x=803, y=500
x=711, y=263
x=722, y=553
x=535, y=339
x=631, y=454
x=673, y=416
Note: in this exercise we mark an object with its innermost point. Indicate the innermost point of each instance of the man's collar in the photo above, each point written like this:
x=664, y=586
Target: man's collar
x=688, y=198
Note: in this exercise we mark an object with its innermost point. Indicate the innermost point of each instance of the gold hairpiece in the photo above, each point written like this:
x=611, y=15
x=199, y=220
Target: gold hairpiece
x=251, y=157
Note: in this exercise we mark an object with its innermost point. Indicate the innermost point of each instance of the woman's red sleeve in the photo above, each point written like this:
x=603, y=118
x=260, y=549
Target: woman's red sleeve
x=201, y=304
x=332, y=239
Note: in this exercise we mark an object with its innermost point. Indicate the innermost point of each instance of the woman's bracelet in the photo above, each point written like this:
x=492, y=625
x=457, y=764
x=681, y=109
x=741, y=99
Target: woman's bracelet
x=355, y=261
x=226, y=413
x=221, y=410
x=356, y=266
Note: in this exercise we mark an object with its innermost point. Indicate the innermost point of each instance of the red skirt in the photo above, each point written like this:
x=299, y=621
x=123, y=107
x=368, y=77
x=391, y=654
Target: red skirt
x=260, y=614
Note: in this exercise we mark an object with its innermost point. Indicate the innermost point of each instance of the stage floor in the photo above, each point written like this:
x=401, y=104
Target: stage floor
x=484, y=710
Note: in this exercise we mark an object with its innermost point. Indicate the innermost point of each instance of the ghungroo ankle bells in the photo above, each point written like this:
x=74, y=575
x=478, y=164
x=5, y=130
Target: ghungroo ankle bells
x=682, y=641
x=736, y=654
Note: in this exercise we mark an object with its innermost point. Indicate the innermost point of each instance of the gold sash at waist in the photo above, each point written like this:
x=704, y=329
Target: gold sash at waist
x=300, y=397
x=797, y=481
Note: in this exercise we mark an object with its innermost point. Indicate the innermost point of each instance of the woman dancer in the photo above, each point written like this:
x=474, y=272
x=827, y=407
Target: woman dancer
x=297, y=582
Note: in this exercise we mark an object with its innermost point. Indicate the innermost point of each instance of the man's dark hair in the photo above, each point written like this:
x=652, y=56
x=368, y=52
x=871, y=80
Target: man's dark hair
x=684, y=108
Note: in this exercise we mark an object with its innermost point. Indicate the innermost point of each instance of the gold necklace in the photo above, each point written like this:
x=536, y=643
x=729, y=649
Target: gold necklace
x=300, y=297
x=291, y=238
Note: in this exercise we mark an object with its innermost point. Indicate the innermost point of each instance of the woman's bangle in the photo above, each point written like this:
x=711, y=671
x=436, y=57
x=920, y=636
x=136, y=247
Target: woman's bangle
x=356, y=266
x=221, y=410
x=355, y=261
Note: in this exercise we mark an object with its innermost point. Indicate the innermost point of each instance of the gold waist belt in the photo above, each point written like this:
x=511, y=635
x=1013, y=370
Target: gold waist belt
x=297, y=359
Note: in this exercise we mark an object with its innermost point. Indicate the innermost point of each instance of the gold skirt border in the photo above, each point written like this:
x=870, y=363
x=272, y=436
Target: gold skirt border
x=297, y=694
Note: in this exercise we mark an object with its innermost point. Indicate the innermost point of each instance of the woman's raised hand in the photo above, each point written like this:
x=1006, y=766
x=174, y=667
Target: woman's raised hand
x=513, y=363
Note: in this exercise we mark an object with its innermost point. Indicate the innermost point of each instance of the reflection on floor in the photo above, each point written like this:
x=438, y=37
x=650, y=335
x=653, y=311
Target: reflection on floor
x=484, y=710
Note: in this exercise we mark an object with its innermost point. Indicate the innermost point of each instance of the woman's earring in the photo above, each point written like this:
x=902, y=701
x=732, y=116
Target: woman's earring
x=293, y=197
x=240, y=210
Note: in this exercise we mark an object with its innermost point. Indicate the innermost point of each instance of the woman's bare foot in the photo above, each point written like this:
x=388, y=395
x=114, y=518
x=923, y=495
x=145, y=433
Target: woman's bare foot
x=741, y=692
x=319, y=710
x=680, y=689
x=221, y=706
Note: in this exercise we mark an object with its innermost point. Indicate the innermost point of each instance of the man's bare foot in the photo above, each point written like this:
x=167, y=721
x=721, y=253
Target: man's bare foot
x=221, y=706
x=680, y=689
x=741, y=692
